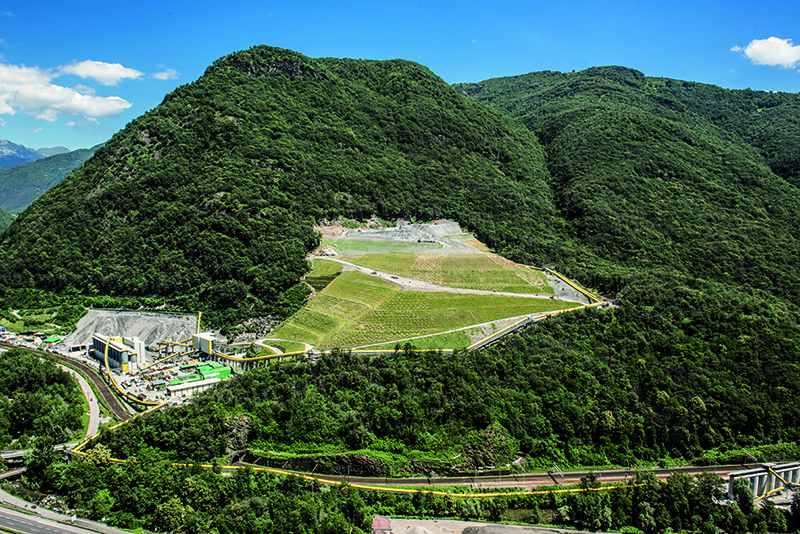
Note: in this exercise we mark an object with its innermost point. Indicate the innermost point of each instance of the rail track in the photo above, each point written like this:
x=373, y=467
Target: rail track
x=113, y=403
x=520, y=480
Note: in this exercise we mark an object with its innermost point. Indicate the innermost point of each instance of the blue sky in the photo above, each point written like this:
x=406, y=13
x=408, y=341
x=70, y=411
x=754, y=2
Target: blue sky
x=73, y=74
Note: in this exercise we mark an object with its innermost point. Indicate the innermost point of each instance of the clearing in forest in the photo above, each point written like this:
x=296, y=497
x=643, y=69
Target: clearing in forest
x=355, y=308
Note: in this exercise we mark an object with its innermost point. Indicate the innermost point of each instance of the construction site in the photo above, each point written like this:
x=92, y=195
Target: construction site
x=458, y=296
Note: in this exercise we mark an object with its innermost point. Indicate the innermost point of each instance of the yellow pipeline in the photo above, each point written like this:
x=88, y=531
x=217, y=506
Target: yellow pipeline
x=767, y=494
x=387, y=489
x=116, y=386
x=499, y=334
x=775, y=490
x=77, y=448
x=778, y=476
x=573, y=285
x=167, y=358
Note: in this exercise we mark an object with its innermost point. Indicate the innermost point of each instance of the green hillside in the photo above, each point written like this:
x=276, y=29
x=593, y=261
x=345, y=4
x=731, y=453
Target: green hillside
x=678, y=201
x=23, y=183
x=682, y=221
x=645, y=173
x=210, y=197
x=6, y=219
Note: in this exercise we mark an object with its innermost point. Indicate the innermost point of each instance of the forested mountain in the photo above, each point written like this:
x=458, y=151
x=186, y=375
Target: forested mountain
x=679, y=200
x=211, y=197
x=652, y=172
x=6, y=219
x=37, y=399
x=23, y=183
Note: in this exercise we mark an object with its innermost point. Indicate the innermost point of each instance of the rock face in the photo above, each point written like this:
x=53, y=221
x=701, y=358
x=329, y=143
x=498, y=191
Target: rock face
x=489, y=447
x=236, y=429
x=343, y=465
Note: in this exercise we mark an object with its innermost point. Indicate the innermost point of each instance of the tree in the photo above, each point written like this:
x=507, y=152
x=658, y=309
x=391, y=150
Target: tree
x=101, y=504
x=743, y=495
x=169, y=515
x=38, y=459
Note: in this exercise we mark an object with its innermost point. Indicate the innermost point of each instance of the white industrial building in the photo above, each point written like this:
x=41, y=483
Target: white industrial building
x=204, y=342
x=187, y=389
x=124, y=353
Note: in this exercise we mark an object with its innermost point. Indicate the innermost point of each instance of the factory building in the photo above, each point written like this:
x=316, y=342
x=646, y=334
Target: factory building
x=204, y=342
x=188, y=388
x=124, y=353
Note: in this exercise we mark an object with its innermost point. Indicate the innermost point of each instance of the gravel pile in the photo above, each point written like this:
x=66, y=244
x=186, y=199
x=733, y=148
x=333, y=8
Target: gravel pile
x=149, y=327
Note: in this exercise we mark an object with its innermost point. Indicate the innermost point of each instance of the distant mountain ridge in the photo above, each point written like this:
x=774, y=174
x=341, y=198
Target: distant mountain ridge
x=22, y=183
x=12, y=153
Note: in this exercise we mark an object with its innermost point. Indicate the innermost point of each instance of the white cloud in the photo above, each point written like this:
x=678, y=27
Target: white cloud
x=30, y=90
x=774, y=52
x=82, y=125
x=105, y=73
x=2, y=122
x=36, y=130
x=84, y=89
x=167, y=74
x=7, y=14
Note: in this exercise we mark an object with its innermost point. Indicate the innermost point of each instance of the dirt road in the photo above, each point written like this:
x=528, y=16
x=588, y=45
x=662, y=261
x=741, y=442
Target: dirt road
x=411, y=284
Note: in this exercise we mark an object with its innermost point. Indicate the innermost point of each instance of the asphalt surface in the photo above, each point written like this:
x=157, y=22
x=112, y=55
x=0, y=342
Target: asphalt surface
x=94, y=409
x=30, y=520
x=412, y=284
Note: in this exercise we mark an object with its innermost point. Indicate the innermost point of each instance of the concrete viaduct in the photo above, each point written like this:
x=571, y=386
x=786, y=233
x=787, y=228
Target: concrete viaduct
x=768, y=479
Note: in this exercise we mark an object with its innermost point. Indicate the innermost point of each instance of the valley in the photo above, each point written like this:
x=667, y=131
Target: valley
x=307, y=205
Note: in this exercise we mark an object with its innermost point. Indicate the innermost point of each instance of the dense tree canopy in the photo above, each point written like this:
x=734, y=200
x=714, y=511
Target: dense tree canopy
x=678, y=200
x=37, y=399
x=212, y=195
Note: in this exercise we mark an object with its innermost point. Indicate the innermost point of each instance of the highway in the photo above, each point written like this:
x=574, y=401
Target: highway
x=94, y=409
x=32, y=524
x=29, y=520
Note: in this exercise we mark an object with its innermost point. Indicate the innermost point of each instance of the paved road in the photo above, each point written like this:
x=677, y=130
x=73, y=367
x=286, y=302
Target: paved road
x=31, y=524
x=45, y=521
x=94, y=409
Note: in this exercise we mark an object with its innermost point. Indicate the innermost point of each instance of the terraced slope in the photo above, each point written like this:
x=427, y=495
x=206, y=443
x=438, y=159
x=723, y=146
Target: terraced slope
x=357, y=309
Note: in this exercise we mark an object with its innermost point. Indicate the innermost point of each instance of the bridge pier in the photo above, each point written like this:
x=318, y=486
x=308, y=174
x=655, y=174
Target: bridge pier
x=767, y=478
